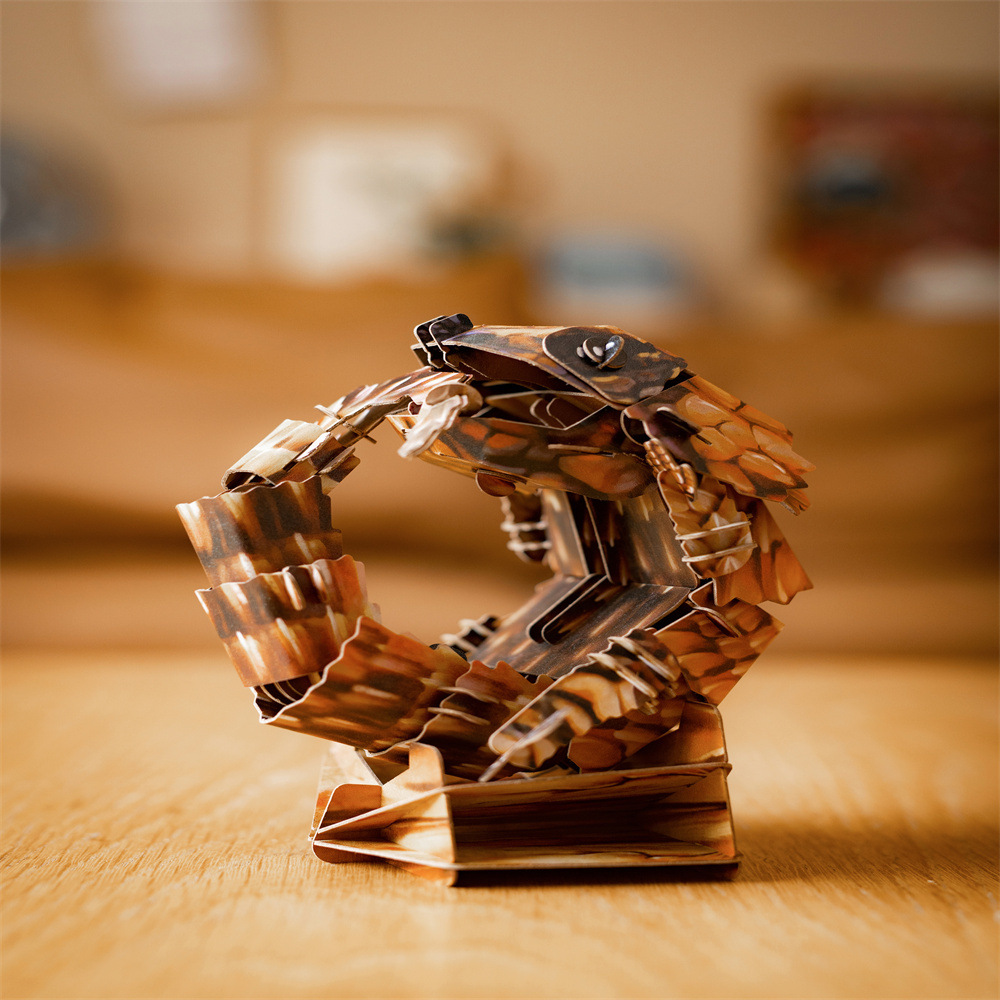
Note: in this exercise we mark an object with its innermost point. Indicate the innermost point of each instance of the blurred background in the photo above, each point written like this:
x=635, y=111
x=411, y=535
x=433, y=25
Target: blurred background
x=219, y=214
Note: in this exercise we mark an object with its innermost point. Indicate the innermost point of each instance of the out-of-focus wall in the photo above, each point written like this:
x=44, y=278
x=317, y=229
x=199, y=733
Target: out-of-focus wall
x=628, y=114
x=133, y=378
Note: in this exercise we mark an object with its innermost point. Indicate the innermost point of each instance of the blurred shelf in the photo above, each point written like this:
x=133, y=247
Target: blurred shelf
x=127, y=391
x=145, y=599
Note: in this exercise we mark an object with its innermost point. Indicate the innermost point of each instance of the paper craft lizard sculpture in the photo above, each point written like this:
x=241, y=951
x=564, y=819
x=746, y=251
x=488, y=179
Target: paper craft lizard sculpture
x=582, y=728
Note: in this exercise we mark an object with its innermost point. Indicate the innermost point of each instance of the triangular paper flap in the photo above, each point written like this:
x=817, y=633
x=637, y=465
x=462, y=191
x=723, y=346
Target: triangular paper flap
x=347, y=786
x=385, y=850
x=412, y=813
x=708, y=820
x=358, y=827
x=425, y=773
x=698, y=739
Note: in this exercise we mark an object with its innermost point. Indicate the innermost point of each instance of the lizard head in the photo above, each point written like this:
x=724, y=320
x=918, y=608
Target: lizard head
x=603, y=361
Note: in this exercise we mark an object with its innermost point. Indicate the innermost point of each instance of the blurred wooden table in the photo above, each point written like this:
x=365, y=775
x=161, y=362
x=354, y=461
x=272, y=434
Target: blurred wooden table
x=156, y=848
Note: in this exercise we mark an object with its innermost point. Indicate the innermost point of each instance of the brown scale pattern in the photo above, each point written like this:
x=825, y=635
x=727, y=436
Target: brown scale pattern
x=706, y=651
x=635, y=676
x=297, y=450
x=277, y=626
x=237, y=535
x=715, y=644
x=714, y=533
x=592, y=458
x=376, y=693
x=607, y=745
x=772, y=573
x=732, y=441
x=481, y=701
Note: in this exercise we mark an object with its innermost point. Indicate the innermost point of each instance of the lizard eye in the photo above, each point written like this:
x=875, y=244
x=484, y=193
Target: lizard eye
x=605, y=352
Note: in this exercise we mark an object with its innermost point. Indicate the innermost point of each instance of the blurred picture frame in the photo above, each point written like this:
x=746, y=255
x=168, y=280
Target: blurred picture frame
x=350, y=196
x=885, y=195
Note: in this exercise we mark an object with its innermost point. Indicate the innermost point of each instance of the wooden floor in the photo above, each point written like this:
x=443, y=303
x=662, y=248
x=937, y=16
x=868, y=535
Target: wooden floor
x=156, y=848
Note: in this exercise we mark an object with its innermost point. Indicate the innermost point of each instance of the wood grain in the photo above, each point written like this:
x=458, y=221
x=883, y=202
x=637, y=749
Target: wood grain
x=155, y=847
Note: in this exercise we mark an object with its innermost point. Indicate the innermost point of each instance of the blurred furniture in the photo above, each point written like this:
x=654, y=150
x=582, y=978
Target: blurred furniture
x=873, y=179
x=126, y=391
x=153, y=383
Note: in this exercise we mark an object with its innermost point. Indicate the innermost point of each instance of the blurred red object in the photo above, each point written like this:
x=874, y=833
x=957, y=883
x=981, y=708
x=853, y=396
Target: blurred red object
x=867, y=176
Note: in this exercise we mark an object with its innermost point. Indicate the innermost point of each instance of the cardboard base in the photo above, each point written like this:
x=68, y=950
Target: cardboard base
x=438, y=826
